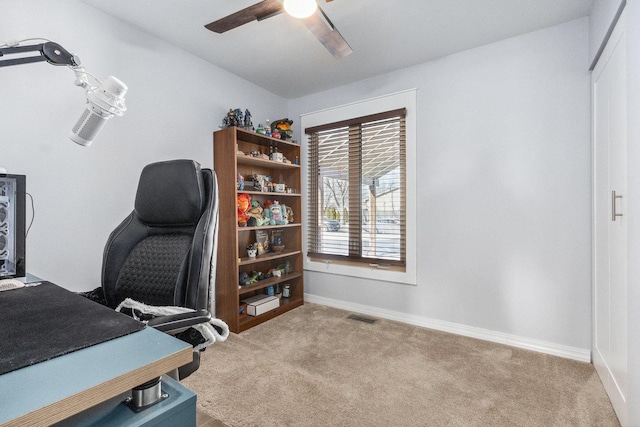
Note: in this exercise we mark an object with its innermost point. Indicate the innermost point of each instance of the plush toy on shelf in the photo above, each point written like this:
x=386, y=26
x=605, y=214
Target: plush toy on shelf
x=243, y=204
x=276, y=213
x=256, y=214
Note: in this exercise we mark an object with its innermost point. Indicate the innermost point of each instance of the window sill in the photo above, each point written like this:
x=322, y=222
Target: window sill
x=363, y=271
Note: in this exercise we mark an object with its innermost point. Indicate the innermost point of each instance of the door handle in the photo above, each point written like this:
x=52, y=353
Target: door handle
x=614, y=214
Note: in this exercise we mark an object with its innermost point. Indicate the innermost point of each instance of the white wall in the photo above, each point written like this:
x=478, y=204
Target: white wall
x=175, y=102
x=504, y=194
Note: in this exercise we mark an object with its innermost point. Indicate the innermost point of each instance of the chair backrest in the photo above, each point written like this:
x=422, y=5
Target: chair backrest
x=164, y=252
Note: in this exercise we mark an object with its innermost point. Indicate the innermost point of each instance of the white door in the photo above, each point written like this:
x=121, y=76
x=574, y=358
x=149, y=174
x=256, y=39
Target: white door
x=609, y=88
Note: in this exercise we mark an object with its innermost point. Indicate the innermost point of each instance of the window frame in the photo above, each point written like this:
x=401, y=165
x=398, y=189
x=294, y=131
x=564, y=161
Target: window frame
x=400, y=100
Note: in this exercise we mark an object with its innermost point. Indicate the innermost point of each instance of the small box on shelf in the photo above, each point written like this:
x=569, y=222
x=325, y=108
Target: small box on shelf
x=260, y=304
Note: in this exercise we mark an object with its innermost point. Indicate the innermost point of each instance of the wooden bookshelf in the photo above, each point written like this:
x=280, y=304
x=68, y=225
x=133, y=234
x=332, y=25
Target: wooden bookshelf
x=230, y=146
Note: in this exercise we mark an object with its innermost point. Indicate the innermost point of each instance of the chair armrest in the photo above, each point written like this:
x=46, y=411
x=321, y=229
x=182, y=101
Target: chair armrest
x=174, y=322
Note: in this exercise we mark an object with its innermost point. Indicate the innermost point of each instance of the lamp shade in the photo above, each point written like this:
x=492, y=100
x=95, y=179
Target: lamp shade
x=300, y=8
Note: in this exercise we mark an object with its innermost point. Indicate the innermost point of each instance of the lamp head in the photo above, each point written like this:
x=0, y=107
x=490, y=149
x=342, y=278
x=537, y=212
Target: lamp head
x=103, y=102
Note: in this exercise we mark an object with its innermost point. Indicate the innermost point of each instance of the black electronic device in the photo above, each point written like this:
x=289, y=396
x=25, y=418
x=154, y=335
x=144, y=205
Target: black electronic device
x=12, y=226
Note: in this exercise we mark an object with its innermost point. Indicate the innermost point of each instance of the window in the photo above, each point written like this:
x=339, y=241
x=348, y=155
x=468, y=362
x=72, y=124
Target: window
x=357, y=190
x=376, y=268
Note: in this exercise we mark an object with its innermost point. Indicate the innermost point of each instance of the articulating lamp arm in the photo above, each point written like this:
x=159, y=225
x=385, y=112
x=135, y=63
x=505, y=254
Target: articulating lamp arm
x=51, y=52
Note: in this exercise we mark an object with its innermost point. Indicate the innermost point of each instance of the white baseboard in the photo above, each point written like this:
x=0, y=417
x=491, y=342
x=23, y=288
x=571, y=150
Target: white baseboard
x=579, y=354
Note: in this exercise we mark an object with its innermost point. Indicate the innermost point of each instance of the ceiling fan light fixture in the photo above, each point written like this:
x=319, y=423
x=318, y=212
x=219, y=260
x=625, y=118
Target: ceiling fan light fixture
x=300, y=8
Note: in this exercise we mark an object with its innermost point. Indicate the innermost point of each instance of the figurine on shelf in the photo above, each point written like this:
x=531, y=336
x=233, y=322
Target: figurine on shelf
x=277, y=241
x=284, y=128
x=289, y=215
x=243, y=279
x=264, y=182
x=276, y=237
x=252, y=250
x=267, y=128
x=234, y=118
x=285, y=268
x=247, y=120
x=262, y=242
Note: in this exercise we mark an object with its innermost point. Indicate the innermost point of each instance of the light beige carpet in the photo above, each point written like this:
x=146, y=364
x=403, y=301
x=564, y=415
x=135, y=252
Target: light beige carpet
x=315, y=367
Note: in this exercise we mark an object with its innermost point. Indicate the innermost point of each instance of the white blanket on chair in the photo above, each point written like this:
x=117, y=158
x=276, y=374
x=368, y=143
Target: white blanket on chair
x=209, y=333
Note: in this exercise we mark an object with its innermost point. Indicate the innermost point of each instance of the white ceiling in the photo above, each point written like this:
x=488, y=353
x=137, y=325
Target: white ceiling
x=282, y=56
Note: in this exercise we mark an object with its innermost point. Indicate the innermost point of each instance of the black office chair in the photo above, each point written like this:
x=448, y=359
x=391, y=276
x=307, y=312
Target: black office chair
x=163, y=253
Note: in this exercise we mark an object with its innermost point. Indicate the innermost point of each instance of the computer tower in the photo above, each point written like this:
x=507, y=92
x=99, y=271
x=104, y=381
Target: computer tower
x=12, y=226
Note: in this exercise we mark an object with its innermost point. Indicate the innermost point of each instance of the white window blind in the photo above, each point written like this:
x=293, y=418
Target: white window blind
x=357, y=190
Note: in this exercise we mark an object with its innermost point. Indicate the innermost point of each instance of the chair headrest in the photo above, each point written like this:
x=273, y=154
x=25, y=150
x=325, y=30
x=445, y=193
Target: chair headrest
x=171, y=193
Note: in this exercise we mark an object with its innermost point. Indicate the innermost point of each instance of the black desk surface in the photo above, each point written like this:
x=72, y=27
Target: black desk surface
x=41, y=322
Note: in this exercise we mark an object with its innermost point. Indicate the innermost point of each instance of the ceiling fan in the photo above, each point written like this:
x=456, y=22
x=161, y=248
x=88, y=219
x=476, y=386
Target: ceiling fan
x=318, y=23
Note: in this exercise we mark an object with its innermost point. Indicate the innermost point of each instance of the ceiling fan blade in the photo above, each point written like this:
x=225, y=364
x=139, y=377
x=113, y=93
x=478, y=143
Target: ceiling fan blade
x=322, y=27
x=259, y=11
